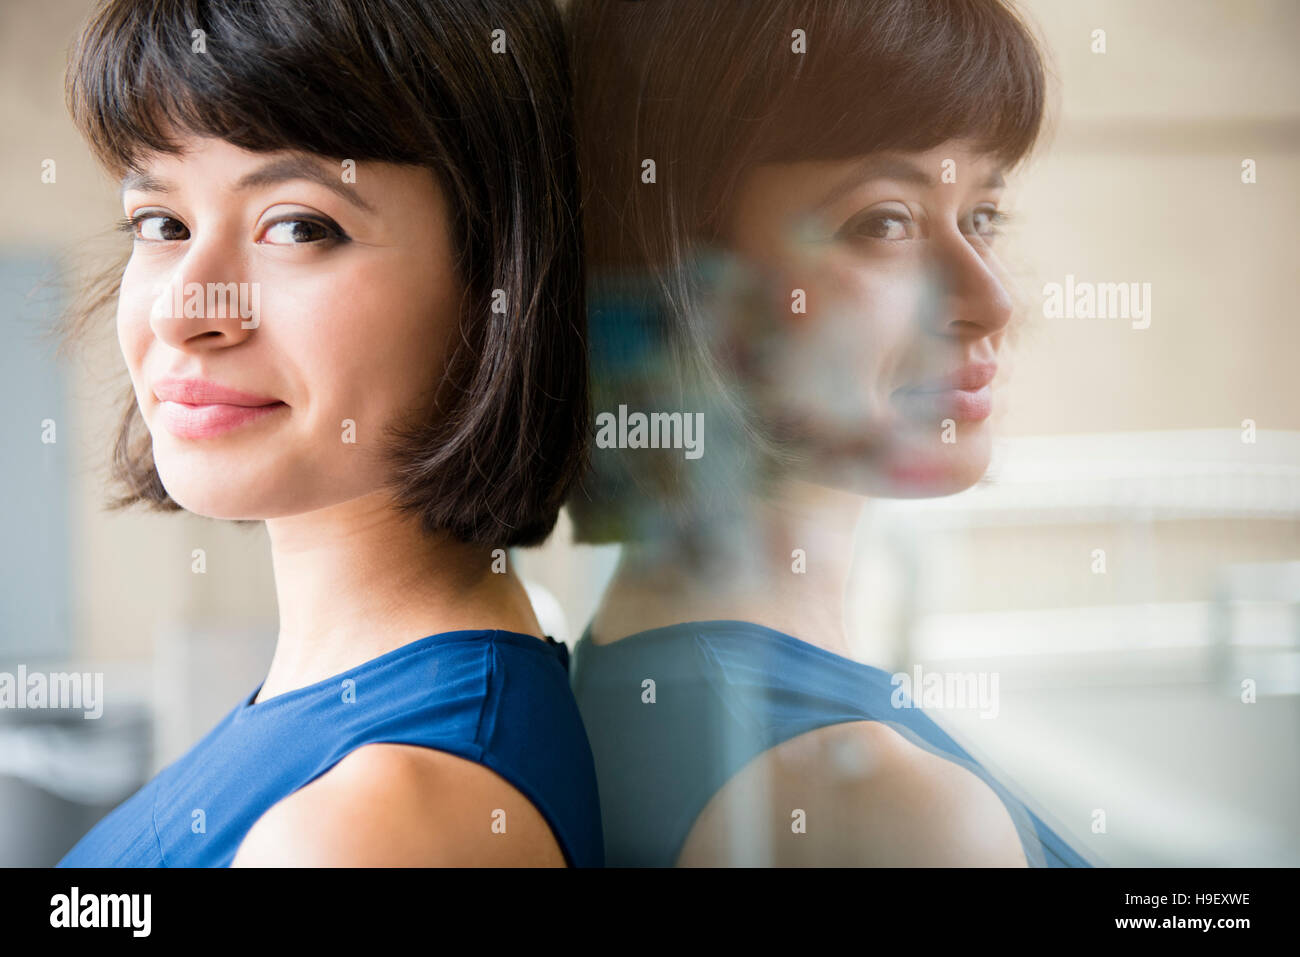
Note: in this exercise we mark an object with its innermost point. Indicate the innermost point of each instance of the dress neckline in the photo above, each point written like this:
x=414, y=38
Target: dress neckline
x=547, y=645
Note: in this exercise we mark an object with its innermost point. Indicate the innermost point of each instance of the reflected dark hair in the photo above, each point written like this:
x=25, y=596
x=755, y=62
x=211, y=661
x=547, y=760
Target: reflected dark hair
x=407, y=82
x=710, y=89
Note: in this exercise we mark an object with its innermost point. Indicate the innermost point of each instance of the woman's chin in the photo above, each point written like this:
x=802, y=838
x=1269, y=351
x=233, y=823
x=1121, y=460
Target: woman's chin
x=910, y=467
x=935, y=475
x=927, y=481
x=201, y=496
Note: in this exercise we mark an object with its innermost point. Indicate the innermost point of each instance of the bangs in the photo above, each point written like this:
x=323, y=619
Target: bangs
x=318, y=77
x=909, y=75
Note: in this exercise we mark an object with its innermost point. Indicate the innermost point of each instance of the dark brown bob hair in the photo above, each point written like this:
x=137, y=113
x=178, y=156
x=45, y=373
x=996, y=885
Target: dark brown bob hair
x=476, y=90
x=710, y=89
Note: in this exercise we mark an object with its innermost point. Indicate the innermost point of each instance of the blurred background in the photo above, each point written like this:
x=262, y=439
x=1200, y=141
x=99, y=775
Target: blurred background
x=1173, y=451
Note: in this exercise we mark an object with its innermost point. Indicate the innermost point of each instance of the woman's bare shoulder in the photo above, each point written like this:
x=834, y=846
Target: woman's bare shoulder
x=397, y=805
x=856, y=794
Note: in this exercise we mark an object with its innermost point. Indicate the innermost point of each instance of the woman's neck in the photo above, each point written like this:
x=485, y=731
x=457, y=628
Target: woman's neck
x=358, y=579
x=785, y=565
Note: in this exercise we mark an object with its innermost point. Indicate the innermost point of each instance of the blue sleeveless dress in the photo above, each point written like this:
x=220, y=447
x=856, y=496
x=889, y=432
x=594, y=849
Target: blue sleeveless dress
x=726, y=691
x=498, y=698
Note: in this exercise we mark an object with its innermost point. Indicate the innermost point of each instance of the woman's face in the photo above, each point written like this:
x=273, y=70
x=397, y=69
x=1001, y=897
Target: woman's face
x=336, y=321
x=885, y=312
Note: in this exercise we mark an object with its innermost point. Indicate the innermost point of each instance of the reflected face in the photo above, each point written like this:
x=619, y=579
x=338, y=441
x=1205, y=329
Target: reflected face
x=883, y=312
x=276, y=318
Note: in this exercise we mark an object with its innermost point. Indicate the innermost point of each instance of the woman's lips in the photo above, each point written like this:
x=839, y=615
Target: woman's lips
x=205, y=421
x=966, y=395
x=962, y=405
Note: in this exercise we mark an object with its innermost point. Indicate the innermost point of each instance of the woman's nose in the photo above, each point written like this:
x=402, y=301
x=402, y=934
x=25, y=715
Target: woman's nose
x=975, y=292
x=205, y=302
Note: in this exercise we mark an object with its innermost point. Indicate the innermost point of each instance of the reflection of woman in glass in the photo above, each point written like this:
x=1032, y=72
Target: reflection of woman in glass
x=387, y=189
x=791, y=212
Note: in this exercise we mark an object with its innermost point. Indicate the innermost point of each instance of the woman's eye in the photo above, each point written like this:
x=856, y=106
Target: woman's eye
x=986, y=220
x=156, y=228
x=889, y=225
x=289, y=232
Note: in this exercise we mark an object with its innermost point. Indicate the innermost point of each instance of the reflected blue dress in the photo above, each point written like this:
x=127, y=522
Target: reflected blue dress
x=497, y=698
x=725, y=691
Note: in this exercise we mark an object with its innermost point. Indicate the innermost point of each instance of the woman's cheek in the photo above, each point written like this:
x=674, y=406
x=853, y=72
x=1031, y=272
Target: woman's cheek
x=133, y=329
x=807, y=284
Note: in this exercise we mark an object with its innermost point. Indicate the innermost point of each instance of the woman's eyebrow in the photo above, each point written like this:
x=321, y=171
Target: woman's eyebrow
x=276, y=171
x=895, y=168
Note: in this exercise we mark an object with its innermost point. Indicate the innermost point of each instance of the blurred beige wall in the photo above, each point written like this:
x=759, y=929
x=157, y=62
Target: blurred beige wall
x=1142, y=183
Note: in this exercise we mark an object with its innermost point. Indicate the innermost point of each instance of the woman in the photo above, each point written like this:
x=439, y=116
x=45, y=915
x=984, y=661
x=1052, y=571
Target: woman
x=790, y=211
x=380, y=195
